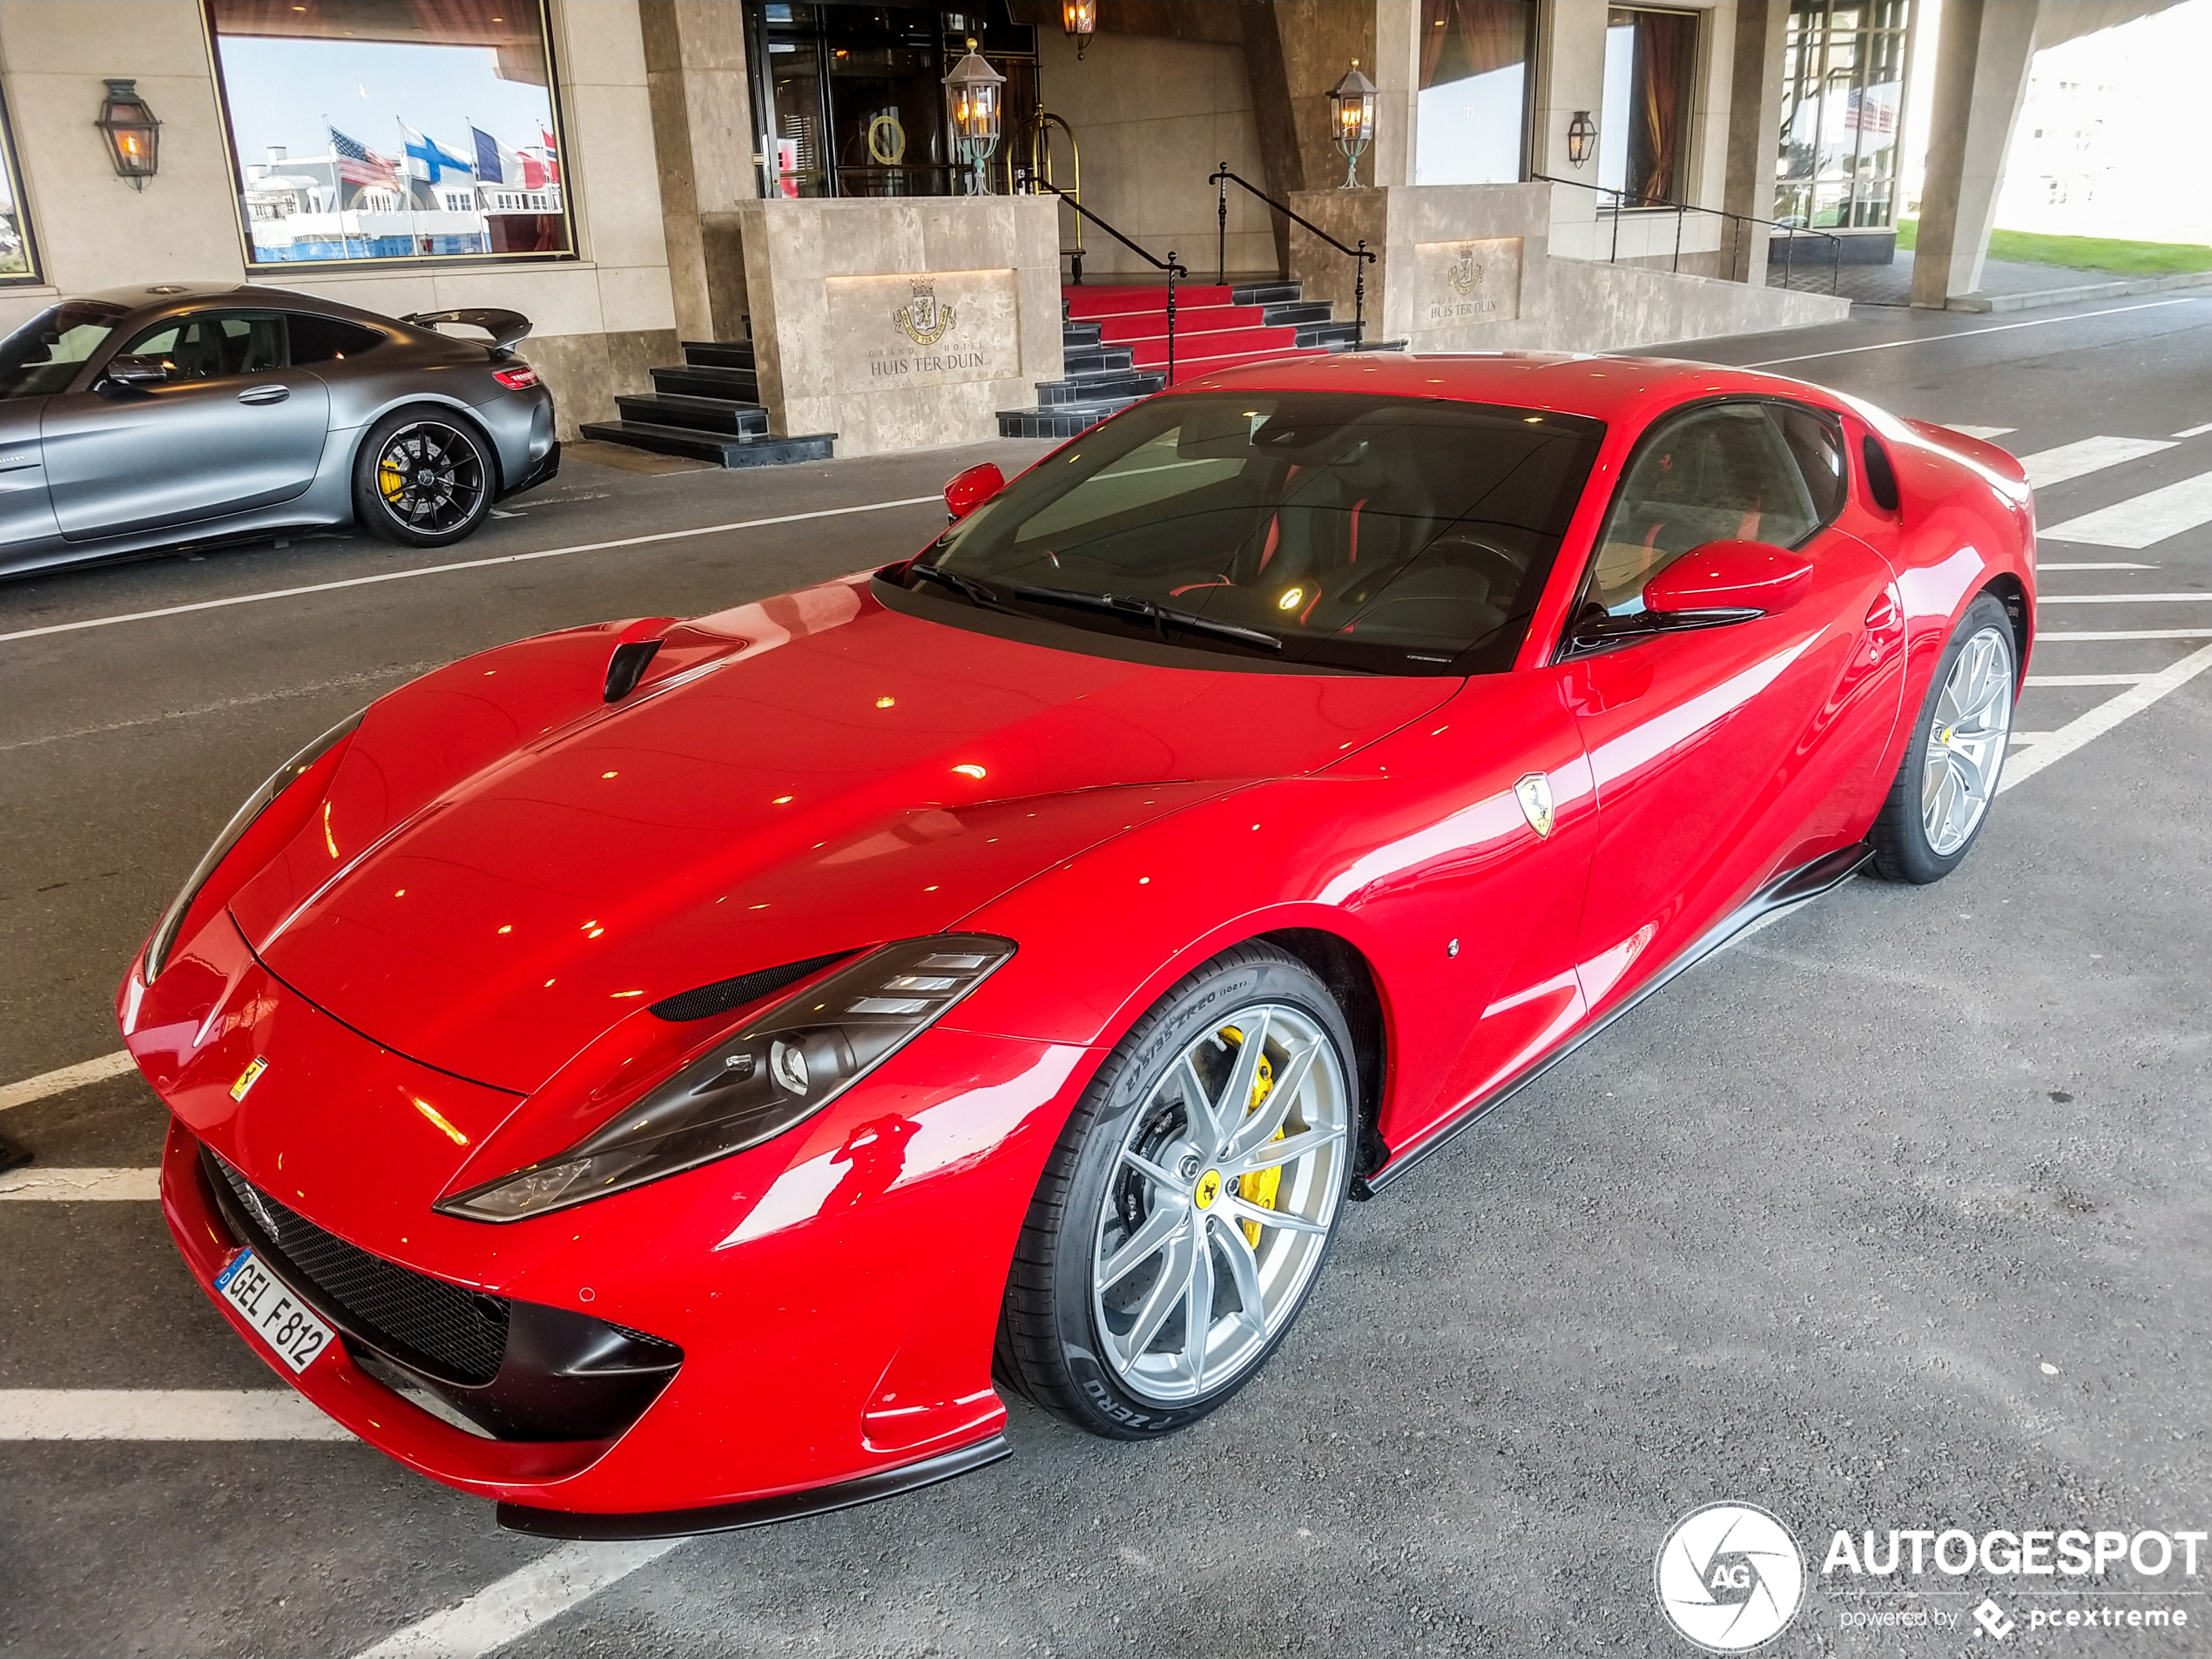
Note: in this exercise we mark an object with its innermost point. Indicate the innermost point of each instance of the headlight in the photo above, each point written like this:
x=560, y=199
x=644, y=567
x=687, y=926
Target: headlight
x=778, y=1071
x=164, y=936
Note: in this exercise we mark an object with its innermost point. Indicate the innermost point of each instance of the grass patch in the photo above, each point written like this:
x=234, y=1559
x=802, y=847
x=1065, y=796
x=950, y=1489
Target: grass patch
x=2084, y=253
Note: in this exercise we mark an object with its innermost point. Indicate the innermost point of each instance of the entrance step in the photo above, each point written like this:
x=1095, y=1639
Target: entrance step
x=718, y=354
x=1099, y=388
x=706, y=414
x=724, y=449
x=738, y=385
x=708, y=408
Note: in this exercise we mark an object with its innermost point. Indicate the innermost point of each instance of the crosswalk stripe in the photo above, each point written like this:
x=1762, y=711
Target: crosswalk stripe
x=527, y=1597
x=2127, y=633
x=2042, y=599
x=79, y=1186
x=2049, y=467
x=2143, y=520
x=2042, y=565
x=2195, y=431
x=2086, y=679
x=2107, y=714
x=75, y=1076
x=162, y=1414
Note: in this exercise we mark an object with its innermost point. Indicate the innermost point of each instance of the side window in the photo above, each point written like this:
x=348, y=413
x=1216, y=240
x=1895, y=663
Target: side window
x=215, y=345
x=323, y=339
x=1817, y=448
x=1718, y=473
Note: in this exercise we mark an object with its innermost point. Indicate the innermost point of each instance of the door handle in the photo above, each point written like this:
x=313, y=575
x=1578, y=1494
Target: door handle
x=264, y=394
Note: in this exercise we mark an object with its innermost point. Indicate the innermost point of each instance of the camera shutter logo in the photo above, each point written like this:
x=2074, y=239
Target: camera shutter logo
x=1730, y=1577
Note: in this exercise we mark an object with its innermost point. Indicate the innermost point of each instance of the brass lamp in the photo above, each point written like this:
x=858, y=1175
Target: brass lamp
x=1351, y=113
x=977, y=109
x=1079, y=19
x=133, y=134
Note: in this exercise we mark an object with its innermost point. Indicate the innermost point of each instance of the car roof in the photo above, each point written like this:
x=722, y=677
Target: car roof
x=1602, y=386
x=168, y=296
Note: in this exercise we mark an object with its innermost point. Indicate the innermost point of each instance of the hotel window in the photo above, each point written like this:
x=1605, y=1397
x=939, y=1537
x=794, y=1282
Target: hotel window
x=1643, y=120
x=849, y=100
x=1842, y=109
x=363, y=131
x=1472, y=115
x=18, y=255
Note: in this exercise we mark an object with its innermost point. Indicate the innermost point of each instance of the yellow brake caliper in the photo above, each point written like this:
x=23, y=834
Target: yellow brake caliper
x=1259, y=1187
x=390, y=479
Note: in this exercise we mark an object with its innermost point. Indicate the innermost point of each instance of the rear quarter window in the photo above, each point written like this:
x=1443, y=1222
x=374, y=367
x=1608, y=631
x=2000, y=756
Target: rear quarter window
x=323, y=339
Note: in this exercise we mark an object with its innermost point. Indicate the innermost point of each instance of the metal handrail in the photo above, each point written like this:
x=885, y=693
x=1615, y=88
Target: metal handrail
x=1170, y=265
x=1361, y=257
x=1789, y=258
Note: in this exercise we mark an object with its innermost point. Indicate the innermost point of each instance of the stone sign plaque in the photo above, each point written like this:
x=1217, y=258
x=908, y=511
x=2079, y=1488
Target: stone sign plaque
x=1459, y=284
x=934, y=328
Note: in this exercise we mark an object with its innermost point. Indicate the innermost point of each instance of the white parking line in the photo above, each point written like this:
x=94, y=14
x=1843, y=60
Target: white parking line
x=2130, y=633
x=2140, y=521
x=2049, y=467
x=2041, y=565
x=78, y=1186
x=75, y=1076
x=2097, y=721
x=2195, y=431
x=1963, y=334
x=2086, y=679
x=162, y=1414
x=498, y=1614
x=2042, y=599
x=463, y=564
x=1984, y=433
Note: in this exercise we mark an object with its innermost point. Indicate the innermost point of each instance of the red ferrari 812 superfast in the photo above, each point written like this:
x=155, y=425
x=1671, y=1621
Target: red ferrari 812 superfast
x=670, y=1075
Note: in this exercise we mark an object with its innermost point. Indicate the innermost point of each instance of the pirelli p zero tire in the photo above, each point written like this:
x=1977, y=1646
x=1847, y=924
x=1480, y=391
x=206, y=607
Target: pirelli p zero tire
x=1189, y=1202
x=423, y=477
x=1948, y=779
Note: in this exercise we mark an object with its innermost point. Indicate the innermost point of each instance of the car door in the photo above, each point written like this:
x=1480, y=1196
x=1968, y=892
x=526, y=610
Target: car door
x=1718, y=752
x=233, y=427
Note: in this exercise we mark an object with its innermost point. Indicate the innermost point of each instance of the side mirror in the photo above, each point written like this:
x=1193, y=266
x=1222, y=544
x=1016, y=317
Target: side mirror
x=971, y=489
x=1728, y=581
x=134, y=371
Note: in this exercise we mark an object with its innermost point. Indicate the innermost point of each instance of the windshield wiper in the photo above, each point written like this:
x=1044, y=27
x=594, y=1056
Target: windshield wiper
x=967, y=587
x=1161, y=616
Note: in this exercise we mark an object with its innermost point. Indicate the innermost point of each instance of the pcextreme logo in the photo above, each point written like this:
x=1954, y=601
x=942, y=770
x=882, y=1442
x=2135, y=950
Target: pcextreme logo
x=1730, y=1577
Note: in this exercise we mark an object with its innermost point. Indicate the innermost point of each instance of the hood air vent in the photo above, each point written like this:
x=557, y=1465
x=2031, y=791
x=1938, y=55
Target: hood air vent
x=705, y=1000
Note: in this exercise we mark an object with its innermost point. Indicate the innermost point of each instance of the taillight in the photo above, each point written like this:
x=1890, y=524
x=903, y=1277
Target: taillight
x=516, y=379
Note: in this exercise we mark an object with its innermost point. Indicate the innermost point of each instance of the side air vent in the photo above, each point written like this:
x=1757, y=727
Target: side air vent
x=705, y=1000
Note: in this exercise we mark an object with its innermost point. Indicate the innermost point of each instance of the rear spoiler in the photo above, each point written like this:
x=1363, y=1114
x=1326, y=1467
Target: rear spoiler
x=505, y=327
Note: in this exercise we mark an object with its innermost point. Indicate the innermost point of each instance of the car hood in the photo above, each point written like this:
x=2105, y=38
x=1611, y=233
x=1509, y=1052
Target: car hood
x=504, y=866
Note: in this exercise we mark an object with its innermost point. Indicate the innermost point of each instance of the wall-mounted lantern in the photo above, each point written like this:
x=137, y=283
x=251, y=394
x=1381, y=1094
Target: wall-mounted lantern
x=132, y=133
x=977, y=107
x=1581, y=137
x=1080, y=19
x=1351, y=113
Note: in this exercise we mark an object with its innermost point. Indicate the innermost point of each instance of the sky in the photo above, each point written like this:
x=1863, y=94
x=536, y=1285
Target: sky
x=282, y=91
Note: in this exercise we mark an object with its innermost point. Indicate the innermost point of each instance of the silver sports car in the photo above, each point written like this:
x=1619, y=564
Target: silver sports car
x=196, y=413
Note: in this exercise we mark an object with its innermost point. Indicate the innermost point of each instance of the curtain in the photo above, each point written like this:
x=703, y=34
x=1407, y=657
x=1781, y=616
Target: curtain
x=1462, y=38
x=1664, y=63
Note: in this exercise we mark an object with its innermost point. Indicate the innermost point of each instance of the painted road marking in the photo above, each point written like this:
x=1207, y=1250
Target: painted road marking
x=162, y=1414
x=2143, y=520
x=75, y=1076
x=463, y=564
x=2133, y=633
x=2101, y=719
x=2195, y=431
x=2042, y=565
x=1963, y=334
x=2049, y=467
x=74, y=1186
x=523, y=1599
x=1984, y=433
x=2086, y=679
x=2042, y=599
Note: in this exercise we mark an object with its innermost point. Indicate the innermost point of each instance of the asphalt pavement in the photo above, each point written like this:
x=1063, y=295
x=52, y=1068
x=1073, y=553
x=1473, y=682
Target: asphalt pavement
x=1890, y=1216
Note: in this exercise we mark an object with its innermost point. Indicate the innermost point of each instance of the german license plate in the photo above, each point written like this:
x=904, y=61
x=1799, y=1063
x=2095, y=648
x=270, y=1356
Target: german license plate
x=277, y=1314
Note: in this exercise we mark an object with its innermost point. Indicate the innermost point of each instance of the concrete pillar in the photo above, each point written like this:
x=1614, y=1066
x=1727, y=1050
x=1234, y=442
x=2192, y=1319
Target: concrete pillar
x=702, y=116
x=1754, y=118
x=1982, y=57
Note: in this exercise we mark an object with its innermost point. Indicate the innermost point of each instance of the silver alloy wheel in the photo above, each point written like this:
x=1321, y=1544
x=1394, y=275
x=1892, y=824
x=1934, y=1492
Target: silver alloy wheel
x=1973, y=722
x=1220, y=1202
x=430, y=475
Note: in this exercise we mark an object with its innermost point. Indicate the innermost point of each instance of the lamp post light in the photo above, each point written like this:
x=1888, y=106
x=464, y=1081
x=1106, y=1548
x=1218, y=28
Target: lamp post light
x=133, y=134
x=1352, y=112
x=975, y=89
x=1581, y=137
x=1079, y=19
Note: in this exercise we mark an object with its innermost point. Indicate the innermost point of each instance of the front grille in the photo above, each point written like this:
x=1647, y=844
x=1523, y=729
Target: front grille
x=726, y=993
x=462, y=1332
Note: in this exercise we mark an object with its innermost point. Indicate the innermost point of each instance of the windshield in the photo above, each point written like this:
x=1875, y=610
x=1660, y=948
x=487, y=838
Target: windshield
x=44, y=355
x=1397, y=536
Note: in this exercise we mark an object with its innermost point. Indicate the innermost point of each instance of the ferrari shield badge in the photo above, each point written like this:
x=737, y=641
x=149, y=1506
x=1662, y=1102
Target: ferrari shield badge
x=1535, y=794
x=247, y=1078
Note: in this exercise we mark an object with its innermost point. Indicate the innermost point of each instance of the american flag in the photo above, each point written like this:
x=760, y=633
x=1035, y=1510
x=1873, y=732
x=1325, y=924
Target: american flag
x=357, y=163
x=1872, y=110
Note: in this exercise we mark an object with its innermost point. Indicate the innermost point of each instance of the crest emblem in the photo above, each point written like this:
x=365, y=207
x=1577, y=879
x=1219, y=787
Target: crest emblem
x=247, y=1078
x=1535, y=794
x=1466, y=272
x=922, y=319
